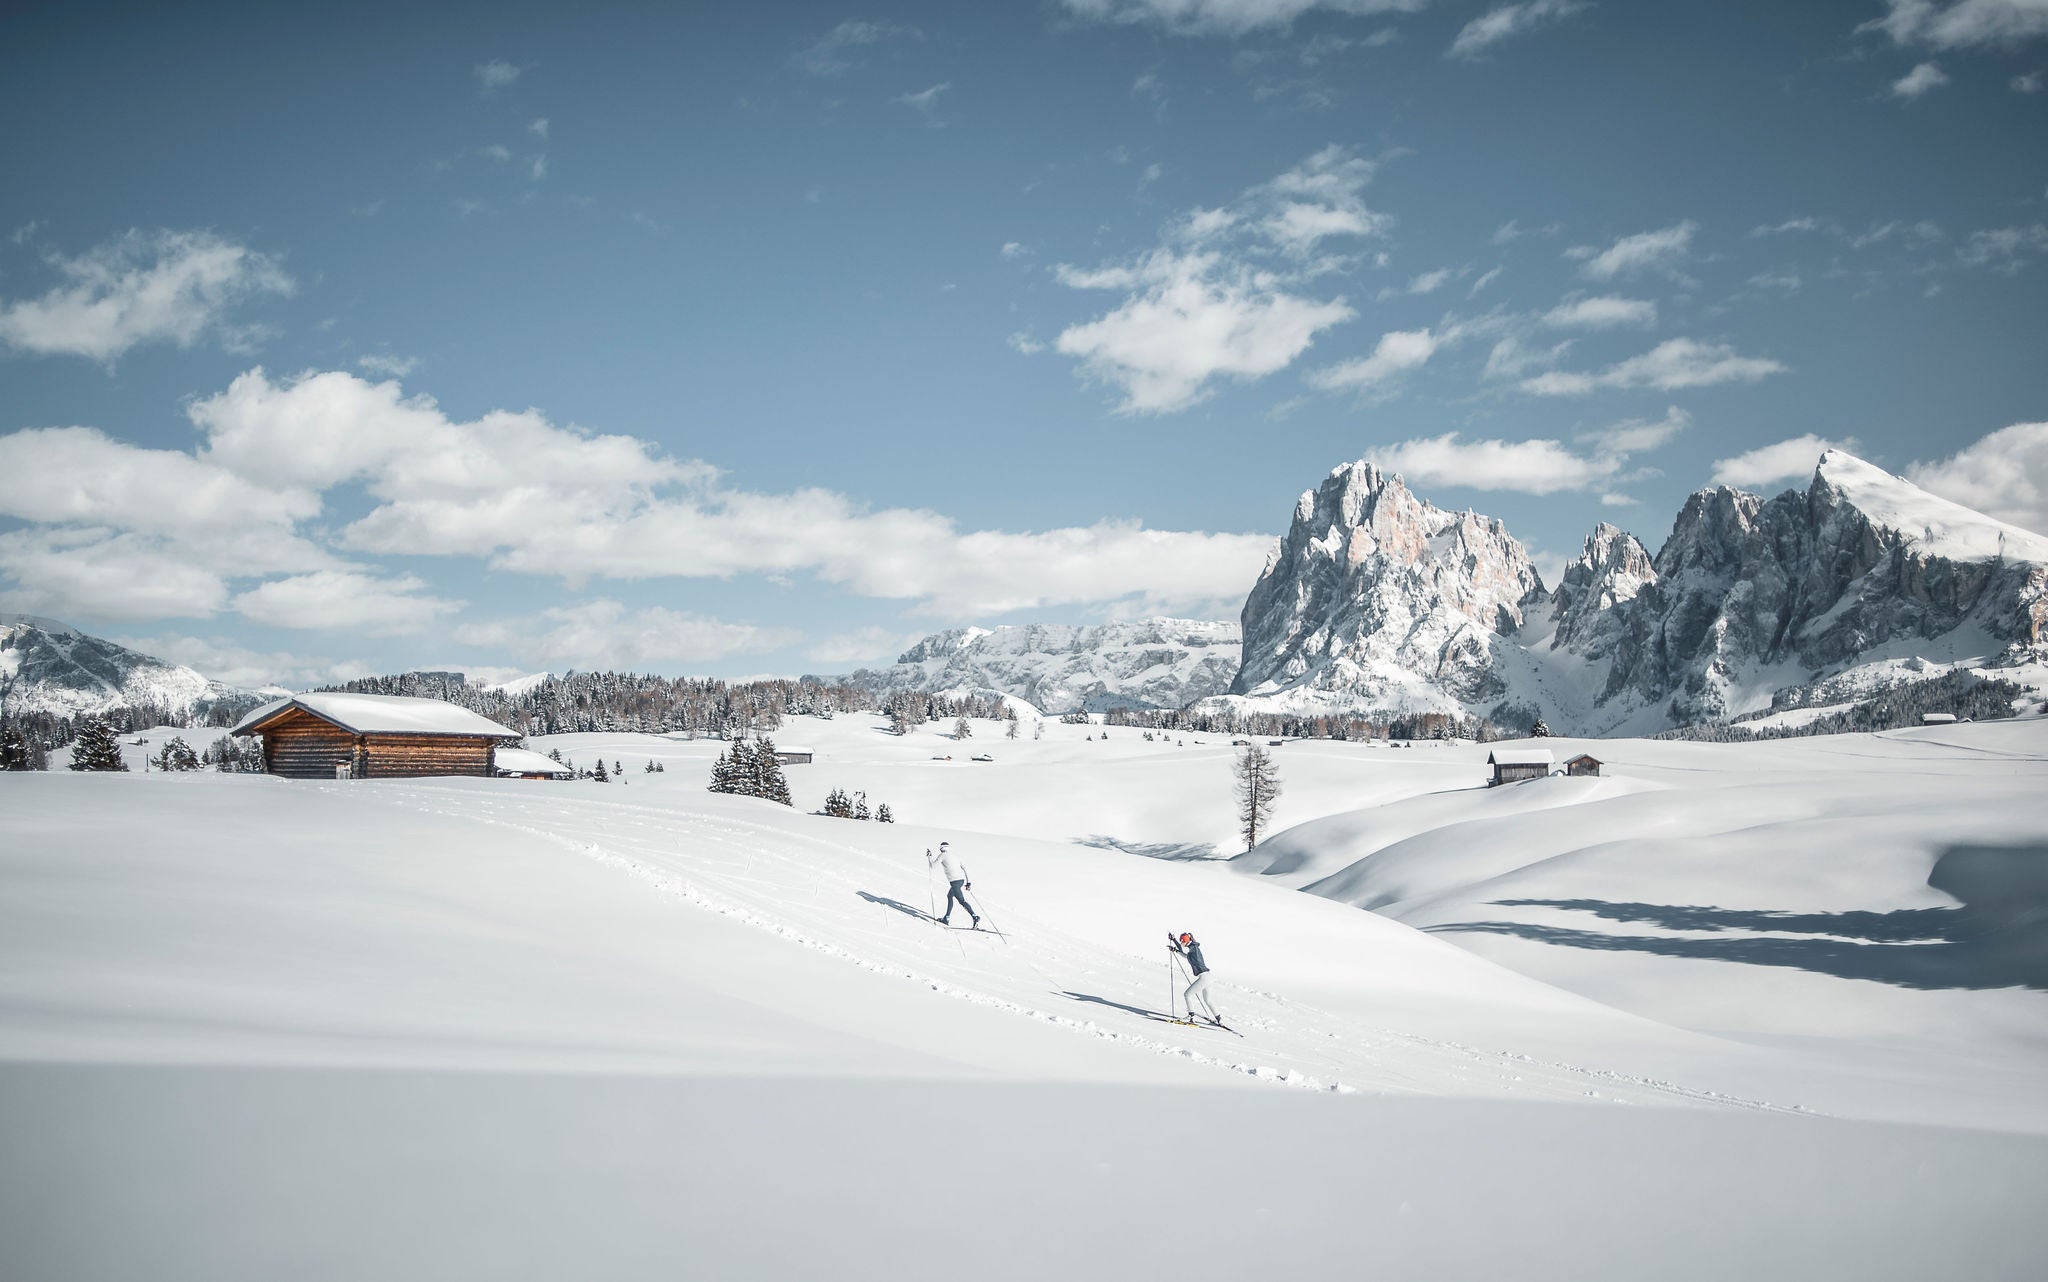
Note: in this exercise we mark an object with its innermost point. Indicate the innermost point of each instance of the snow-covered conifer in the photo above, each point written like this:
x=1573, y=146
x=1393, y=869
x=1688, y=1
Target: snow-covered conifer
x=96, y=747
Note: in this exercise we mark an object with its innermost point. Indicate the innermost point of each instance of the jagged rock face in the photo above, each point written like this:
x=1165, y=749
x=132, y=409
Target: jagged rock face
x=1150, y=663
x=47, y=666
x=1376, y=595
x=1860, y=562
x=1590, y=603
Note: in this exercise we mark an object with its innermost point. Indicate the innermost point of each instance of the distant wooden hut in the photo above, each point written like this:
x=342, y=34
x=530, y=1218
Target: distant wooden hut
x=1511, y=765
x=793, y=756
x=523, y=763
x=1584, y=765
x=1937, y=718
x=373, y=736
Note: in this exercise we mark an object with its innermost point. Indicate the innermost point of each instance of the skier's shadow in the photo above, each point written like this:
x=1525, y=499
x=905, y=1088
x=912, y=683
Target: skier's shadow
x=1104, y=1001
x=897, y=904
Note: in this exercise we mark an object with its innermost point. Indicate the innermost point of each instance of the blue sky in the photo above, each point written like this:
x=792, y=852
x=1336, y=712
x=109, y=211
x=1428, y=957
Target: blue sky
x=743, y=339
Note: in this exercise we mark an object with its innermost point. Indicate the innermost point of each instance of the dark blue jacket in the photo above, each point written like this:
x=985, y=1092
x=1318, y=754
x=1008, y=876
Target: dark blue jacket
x=1193, y=952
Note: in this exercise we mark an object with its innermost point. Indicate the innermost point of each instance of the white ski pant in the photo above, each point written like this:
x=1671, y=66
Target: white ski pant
x=1199, y=990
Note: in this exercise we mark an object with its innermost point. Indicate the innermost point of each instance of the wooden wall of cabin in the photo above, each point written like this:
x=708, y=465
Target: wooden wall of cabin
x=412, y=756
x=305, y=747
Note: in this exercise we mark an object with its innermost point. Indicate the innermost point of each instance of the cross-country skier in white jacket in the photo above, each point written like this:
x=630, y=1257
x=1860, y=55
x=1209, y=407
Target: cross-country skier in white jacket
x=956, y=877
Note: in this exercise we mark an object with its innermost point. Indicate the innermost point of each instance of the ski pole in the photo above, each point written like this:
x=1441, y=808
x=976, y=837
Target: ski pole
x=931, y=898
x=1172, y=1002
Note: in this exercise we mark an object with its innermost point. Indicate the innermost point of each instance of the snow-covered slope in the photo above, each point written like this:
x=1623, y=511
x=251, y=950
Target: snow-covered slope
x=549, y=1030
x=47, y=666
x=1149, y=663
x=1379, y=602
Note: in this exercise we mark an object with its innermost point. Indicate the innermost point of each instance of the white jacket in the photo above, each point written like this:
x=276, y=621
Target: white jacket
x=946, y=859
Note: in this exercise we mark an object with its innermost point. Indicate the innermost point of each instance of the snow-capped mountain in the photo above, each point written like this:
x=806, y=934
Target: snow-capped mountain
x=1377, y=601
x=1150, y=663
x=51, y=667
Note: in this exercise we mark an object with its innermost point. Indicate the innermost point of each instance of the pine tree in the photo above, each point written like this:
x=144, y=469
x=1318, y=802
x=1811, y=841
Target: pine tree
x=618, y=767
x=882, y=815
x=14, y=750
x=1011, y=733
x=1258, y=787
x=1539, y=730
x=837, y=805
x=650, y=767
x=660, y=769
x=96, y=747
x=601, y=774
x=770, y=782
x=177, y=756
x=554, y=754
x=961, y=730
x=860, y=805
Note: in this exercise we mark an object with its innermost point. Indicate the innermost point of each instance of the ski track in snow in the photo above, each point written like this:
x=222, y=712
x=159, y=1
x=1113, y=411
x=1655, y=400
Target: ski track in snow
x=710, y=863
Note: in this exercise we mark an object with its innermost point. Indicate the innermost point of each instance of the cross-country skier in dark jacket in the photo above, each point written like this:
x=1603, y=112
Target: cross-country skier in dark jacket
x=1186, y=946
x=956, y=878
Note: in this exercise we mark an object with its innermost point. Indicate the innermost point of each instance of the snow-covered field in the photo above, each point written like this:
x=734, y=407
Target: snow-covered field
x=1702, y=1017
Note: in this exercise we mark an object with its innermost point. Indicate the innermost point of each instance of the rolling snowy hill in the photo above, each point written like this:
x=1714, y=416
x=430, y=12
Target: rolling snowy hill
x=544, y=1030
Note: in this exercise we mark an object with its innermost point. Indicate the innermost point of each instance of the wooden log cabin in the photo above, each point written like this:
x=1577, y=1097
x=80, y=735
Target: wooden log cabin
x=1515, y=765
x=374, y=736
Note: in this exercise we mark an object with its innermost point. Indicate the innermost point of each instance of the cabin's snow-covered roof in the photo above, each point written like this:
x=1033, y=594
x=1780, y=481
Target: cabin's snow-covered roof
x=383, y=714
x=523, y=761
x=794, y=747
x=1522, y=757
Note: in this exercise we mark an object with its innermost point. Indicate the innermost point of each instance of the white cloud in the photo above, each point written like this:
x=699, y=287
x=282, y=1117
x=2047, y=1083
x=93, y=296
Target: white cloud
x=91, y=573
x=143, y=287
x=1511, y=358
x=1790, y=460
x=1193, y=319
x=1013, y=250
x=925, y=100
x=497, y=74
x=1603, y=312
x=1479, y=36
x=1227, y=295
x=1919, y=80
x=2004, y=475
x=1484, y=281
x=1636, y=435
x=1426, y=282
x=1671, y=365
x=605, y=634
x=1226, y=17
x=1397, y=352
x=1024, y=343
x=836, y=51
x=1661, y=251
x=539, y=128
x=1963, y=23
x=1524, y=467
x=237, y=665
x=869, y=646
x=2004, y=249
x=385, y=365
x=2028, y=82
x=1785, y=228
x=536, y=167
x=345, y=600
x=496, y=151
x=131, y=533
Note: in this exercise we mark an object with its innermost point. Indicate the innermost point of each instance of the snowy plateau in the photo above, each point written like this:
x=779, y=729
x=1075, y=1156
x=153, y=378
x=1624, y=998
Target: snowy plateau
x=1151, y=663
x=1771, y=1010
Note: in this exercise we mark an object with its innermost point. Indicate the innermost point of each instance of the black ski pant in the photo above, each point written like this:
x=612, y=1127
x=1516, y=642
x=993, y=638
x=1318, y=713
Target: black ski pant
x=957, y=895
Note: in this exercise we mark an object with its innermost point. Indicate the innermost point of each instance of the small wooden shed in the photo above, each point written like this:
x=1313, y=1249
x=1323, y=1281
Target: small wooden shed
x=377, y=736
x=1585, y=765
x=524, y=763
x=793, y=756
x=1937, y=718
x=1512, y=765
